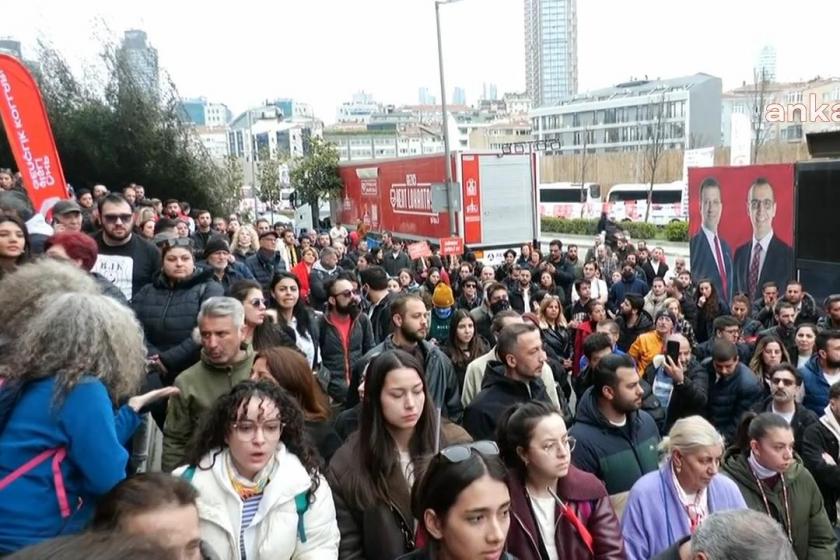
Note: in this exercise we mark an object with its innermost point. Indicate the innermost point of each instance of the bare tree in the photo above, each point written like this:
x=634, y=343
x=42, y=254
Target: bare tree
x=655, y=147
x=757, y=108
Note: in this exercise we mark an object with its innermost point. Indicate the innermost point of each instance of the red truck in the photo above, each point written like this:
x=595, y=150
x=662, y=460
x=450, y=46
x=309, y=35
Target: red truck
x=497, y=195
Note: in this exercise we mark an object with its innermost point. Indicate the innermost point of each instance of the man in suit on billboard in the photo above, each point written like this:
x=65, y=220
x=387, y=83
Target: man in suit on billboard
x=764, y=257
x=711, y=256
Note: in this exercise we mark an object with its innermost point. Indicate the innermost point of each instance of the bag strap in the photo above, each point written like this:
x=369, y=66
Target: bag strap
x=57, y=454
x=301, y=505
x=189, y=473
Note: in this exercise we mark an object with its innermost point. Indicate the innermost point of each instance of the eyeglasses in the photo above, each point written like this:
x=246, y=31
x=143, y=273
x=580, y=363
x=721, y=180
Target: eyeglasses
x=176, y=242
x=347, y=293
x=552, y=447
x=767, y=203
x=460, y=453
x=114, y=218
x=259, y=302
x=783, y=381
x=246, y=431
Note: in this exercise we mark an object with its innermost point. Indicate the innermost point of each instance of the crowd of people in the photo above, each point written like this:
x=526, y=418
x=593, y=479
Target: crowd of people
x=183, y=385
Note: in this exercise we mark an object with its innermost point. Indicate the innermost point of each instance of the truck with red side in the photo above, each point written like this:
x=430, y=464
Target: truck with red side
x=497, y=195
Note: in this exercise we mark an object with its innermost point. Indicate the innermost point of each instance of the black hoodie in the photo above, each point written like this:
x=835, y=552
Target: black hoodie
x=499, y=392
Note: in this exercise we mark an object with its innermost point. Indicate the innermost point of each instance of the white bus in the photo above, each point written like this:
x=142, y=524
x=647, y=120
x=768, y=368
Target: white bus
x=628, y=202
x=570, y=200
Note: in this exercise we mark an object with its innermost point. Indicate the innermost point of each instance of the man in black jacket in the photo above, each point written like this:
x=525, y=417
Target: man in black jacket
x=725, y=327
x=374, y=280
x=203, y=232
x=323, y=270
x=394, y=259
x=785, y=381
x=410, y=327
x=821, y=452
x=564, y=271
x=266, y=261
x=514, y=379
x=733, y=389
x=633, y=320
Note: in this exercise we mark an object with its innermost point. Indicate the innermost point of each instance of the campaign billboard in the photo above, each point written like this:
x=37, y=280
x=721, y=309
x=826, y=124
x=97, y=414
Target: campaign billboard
x=741, y=227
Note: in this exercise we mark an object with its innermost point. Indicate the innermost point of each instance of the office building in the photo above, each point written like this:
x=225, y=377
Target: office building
x=141, y=59
x=551, y=71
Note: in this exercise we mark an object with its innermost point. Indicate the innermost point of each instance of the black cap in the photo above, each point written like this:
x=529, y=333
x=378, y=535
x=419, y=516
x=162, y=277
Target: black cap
x=66, y=207
x=215, y=244
x=270, y=232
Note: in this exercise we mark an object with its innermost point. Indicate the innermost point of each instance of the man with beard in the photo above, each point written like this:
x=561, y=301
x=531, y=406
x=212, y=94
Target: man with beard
x=749, y=326
x=323, y=270
x=203, y=232
x=785, y=382
x=410, y=327
x=574, y=261
x=172, y=209
x=733, y=389
x=496, y=300
x=515, y=378
x=785, y=328
x=822, y=370
x=630, y=284
x=128, y=261
x=522, y=292
x=374, y=279
x=345, y=336
x=616, y=441
x=633, y=320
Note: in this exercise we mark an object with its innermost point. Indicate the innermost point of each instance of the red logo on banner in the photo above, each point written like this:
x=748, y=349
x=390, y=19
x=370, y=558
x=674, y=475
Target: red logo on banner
x=451, y=246
x=472, y=199
x=30, y=136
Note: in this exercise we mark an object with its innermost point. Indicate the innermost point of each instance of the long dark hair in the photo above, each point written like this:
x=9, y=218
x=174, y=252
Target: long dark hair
x=755, y=426
x=378, y=454
x=300, y=311
x=217, y=423
x=292, y=371
x=476, y=347
x=711, y=308
x=27, y=248
x=516, y=428
x=267, y=335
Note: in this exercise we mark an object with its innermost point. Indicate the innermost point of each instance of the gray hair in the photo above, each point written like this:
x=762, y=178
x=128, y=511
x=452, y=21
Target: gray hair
x=78, y=335
x=25, y=293
x=222, y=306
x=326, y=251
x=689, y=435
x=739, y=534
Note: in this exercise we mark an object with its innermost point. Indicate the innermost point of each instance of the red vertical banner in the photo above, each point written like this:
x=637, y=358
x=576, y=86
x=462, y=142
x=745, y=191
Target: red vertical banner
x=27, y=126
x=472, y=198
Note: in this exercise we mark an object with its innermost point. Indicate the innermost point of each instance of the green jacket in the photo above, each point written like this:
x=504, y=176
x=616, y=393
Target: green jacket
x=813, y=537
x=200, y=386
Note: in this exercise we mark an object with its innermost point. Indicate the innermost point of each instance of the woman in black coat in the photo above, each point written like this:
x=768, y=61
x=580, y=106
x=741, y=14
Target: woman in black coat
x=168, y=309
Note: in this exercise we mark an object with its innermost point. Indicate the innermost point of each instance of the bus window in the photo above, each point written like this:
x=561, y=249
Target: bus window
x=559, y=195
x=667, y=197
x=624, y=196
x=595, y=192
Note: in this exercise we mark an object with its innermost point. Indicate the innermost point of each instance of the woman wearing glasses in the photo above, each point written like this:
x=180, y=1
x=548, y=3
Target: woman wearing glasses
x=260, y=495
x=260, y=332
x=463, y=505
x=168, y=308
x=558, y=510
x=773, y=480
x=666, y=506
x=372, y=473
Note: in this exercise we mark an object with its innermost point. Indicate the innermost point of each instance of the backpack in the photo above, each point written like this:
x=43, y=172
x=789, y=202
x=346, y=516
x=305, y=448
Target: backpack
x=301, y=503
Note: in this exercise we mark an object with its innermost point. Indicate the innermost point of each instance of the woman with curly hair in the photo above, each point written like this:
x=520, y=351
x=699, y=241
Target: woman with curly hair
x=260, y=493
x=244, y=243
x=62, y=437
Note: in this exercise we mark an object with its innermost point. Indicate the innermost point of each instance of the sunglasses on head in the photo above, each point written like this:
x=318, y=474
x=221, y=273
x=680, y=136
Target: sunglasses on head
x=114, y=218
x=462, y=452
x=176, y=242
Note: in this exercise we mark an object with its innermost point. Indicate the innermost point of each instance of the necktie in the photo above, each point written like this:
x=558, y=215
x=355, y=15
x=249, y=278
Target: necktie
x=721, y=268
x=754, y=269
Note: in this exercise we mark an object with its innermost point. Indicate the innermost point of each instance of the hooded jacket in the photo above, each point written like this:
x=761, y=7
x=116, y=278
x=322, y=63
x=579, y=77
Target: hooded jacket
x=264, y=266
x=200, y=387
x=813, y=537
x=499, y=392
x=587, y=498
x=624, y=287
x=815, y=385
x=273, y=533
x=730, y=397
x=819, y=438
x=319, y=275
x=628, y=335
x=169, y=313
x=618, y=456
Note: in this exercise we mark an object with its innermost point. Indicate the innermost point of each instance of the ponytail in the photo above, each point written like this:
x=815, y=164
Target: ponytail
x=755, y=426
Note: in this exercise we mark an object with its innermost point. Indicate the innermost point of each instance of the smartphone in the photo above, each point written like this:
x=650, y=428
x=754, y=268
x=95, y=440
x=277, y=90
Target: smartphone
x=673, y=350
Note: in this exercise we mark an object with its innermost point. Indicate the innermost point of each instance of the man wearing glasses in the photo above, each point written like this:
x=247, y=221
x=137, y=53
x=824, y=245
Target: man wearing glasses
x=127, y=260
x=785, y=382
x=764, y=257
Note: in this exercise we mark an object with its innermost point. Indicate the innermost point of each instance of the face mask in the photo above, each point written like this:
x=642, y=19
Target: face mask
x=499, y=306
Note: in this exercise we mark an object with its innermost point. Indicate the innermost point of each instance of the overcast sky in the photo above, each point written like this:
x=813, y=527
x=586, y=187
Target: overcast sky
x=321, y=51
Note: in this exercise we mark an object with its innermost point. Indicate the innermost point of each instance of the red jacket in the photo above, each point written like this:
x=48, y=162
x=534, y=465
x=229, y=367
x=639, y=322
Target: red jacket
x=587, y=497
x=302, y=272
x=584, y=330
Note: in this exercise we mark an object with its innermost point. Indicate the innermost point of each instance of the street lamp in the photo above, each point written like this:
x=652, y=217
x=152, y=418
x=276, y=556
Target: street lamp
x=453, y=230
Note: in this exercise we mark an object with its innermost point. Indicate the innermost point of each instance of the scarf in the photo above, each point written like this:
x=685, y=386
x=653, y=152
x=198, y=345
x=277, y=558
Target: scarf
x=759, y=470
x=245, y=487
x=696, y=506
x=830, y=421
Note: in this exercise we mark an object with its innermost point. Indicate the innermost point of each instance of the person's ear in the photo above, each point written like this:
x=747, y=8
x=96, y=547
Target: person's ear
x=510, y=361
x=433, y=524
x=520, y=451
x=397, y=320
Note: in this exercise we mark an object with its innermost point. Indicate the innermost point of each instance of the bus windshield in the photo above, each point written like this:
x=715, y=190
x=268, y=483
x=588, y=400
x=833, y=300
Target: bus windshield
x=659, y=196
x=559, y=195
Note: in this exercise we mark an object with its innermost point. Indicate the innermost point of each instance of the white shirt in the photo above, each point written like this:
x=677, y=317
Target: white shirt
x=304, y=343
x=710, y=238
x=598, y=291
x=544, y=511
x=832, y=378
x=788, y=416
x=407, y=467
x=765, y=244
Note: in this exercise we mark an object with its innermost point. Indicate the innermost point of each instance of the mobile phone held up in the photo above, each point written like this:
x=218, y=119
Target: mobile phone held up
x=673, y=350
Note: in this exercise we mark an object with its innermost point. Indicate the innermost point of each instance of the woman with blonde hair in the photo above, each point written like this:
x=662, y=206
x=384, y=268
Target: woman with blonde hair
x=667, y=505
x=769, y=352
x=62, y=436
x=244, y=243
x=683, y=326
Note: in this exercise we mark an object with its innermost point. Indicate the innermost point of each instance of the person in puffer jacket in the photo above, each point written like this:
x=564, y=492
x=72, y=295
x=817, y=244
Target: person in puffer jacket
x=322, y=271
x=168, y=309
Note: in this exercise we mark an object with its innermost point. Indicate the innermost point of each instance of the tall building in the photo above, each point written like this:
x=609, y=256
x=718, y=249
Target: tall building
x=10, y=46
x=142, y=59
x=201, y=112
x=359, y=109
x=424, y=97
x=489, y=91
x=459, y=96
x=765, y=63
x=551, y=68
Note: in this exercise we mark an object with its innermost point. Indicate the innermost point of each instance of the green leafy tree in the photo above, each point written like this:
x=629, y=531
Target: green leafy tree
x=231, y=179
x=269, y=179
x=315, y=176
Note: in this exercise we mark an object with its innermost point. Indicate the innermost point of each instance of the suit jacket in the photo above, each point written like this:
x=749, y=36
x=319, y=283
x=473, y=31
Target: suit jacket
x=704, y=265
x=651, y=273
x=778, y=266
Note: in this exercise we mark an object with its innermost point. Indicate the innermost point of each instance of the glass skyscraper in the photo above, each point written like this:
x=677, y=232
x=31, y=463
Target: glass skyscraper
x=551, y=72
